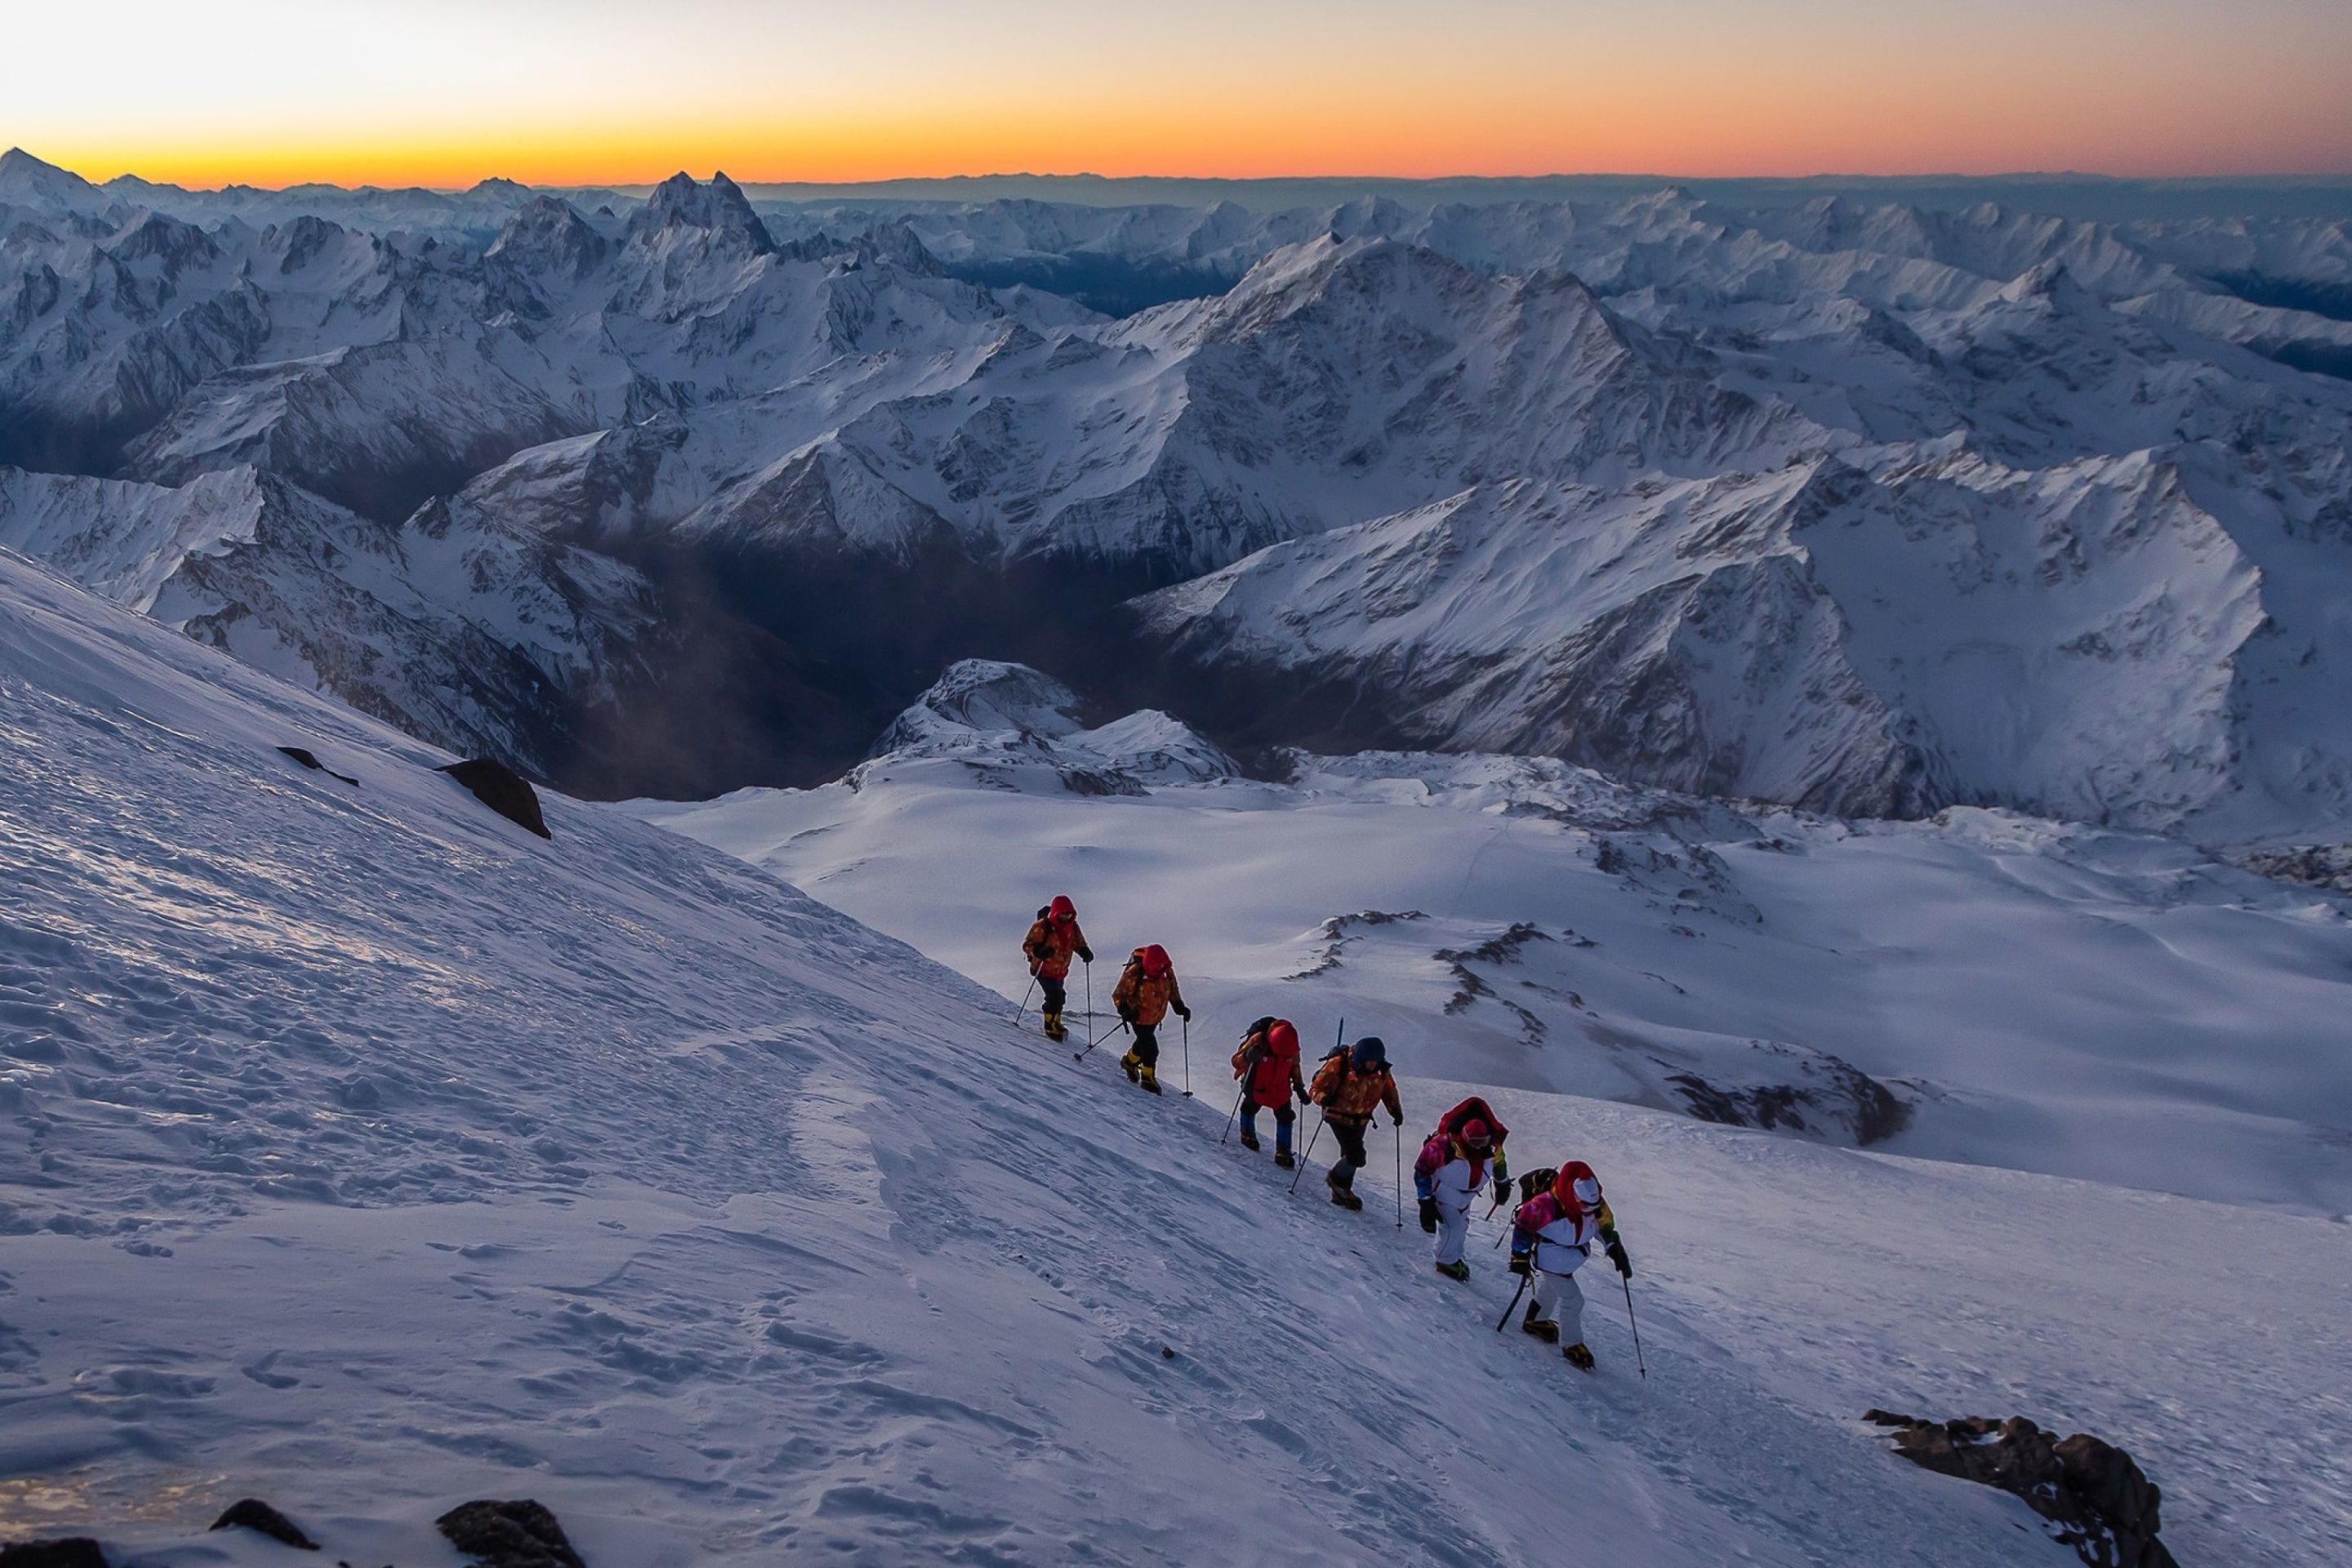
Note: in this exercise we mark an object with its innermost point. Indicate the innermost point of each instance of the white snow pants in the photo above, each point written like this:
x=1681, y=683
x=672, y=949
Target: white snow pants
x=1562, y=1300
x=1452, y=1231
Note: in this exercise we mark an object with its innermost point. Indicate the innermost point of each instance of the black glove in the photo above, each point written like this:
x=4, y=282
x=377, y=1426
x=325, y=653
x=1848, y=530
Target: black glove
x=1429, y=1215
x=1086, y=954
x=1522, y=1264
x=1502, y=1187
x=1184, y=1012
x=1617, y=1255
x=1396, y=1121
x=1127, y=1014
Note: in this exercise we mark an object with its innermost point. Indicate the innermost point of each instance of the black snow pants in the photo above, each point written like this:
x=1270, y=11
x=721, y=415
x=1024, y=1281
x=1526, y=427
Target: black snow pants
x=1351, y=1134
x=1147, y=1045
x=1055, y=993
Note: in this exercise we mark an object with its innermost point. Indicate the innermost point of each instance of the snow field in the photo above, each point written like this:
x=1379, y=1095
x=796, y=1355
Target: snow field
x=2110, y=1006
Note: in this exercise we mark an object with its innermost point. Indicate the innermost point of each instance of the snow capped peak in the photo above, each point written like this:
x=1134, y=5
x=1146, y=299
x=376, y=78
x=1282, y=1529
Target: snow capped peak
x=679, y=202
x=26, y=181
x=986, y=694
x=1018, y=727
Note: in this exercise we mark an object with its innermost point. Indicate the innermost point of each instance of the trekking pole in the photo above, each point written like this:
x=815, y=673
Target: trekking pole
x=1319, y=1121
x=1627, y=1283
x=1090, y=1006
x=1081, y=1056
x=1024, y=998
x=1398, y=1128
x=1514, y=1304
x=1188, y=1058
x=1236, y=1110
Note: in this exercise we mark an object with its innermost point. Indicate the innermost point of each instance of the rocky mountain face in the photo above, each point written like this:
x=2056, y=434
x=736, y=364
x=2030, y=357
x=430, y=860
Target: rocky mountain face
x=1871, y=509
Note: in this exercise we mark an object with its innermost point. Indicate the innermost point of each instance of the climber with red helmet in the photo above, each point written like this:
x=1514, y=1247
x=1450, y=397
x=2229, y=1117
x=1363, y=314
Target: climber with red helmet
x=1552, y=1237
x=1048, y=947
x=1146, y=993
x=1268, y=1062
x=1448, y=1174
x=1476, y=1109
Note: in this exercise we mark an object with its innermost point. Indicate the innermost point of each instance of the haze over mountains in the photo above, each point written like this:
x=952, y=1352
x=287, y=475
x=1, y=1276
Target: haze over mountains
x=1866, y=508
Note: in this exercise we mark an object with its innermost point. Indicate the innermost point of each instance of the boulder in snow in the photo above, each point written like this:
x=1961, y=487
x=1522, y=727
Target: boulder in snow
x=502, y=789
x=517, y=1534
x=252, y=1513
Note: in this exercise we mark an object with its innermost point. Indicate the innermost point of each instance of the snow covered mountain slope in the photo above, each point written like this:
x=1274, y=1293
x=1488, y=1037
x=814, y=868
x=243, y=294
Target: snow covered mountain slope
x=1980, y=987
x=479, y=639
x=360, y=1151
x=1912, y=489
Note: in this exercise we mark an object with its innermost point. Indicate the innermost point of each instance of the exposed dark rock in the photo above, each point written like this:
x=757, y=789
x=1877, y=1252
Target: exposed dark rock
x=1832, y=1095
x=502, y=789
x=517, y=1534
x=252, y=1513
x=2096, y=1498
x=2325, y=866
x=309, y=759
x=72, y=1552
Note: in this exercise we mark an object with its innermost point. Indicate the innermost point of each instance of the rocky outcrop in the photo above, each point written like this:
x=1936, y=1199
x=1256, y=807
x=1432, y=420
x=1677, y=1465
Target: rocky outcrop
x=502, y=789
x=517, y=1534
x=2095, y=1496
x=70, y=1552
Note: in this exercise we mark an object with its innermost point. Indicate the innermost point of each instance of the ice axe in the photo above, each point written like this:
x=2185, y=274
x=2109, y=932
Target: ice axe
x=1514, y=1303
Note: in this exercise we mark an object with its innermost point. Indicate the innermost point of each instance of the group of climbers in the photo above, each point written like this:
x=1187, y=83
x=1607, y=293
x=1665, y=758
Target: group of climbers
x=1560, y=1216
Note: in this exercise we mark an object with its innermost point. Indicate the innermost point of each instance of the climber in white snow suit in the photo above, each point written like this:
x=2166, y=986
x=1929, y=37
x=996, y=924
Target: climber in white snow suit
x=1552, y=1235
x=1448, y=1175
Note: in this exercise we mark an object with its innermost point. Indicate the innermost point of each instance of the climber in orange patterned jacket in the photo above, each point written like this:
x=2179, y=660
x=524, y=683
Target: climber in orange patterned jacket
x=1048, y=947
x=1147, y=992
x=1353, y=1082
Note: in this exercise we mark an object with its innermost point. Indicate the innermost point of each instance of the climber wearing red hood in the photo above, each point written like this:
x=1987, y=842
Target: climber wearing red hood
x=1448, y=1174
x=1048, y=947
x=1268, y=1061
x=1476, y=1109
x=1552, y=1237
x=1147, y=992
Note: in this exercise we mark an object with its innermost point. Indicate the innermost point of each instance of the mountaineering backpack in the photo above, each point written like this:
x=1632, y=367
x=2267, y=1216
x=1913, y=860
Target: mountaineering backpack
x=1535, y=1182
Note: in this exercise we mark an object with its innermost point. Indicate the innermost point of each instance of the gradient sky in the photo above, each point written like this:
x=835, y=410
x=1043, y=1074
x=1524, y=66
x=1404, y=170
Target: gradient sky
x=444, y=92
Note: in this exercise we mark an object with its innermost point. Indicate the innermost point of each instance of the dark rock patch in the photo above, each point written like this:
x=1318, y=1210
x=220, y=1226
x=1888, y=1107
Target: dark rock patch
x=309, y=759
x=72, y=1552
x=502, y=789
x=252, y=1513
x=2325, y=866
x=517, y=1534
x=1832, y=1096
x=2096, y=1499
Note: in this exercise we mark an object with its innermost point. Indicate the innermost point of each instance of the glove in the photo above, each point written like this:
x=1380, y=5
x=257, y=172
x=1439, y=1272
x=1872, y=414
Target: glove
x=1617, y=1255
x=1032, y=970
x=1127, y=1014
x=1429, y=1215
x=1396, y=1121
x=1522, y=1264
x=1502, y=1188
x=1086, y=955
x=1184, y=1012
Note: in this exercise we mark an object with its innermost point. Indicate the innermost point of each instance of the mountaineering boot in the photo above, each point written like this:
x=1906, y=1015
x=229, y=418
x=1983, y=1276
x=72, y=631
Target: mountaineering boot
x=1455, y=1270
x=1132, y=1065
x=1543, y=1329
x=1284, y=1161
x=1249, y=1139
x=1054, y=1030
x=1151, y=1080
x=1341, y=1194
x=1578, y=1357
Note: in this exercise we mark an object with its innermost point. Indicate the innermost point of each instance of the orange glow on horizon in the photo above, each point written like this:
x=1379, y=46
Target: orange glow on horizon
x=443, y=94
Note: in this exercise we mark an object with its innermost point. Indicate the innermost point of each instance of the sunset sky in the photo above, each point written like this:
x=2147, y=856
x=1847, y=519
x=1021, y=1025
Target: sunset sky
x=444, y=92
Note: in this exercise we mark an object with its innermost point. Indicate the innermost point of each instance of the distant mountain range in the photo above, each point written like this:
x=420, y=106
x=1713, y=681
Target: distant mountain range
x=1868, y=508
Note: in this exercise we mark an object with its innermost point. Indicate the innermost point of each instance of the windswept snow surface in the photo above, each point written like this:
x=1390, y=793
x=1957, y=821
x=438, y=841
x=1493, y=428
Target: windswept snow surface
x=362, y=1151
